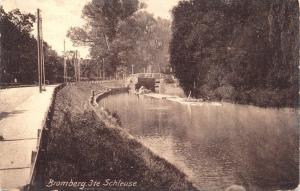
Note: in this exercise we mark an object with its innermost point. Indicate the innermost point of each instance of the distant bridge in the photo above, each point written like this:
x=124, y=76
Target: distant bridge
x=149, y=75
x=152, y=81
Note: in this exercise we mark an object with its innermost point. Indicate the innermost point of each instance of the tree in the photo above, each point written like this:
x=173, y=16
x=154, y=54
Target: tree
x=103, y=17
x=237, y=49
x=17, y=58
x=53, y=65
x=143, y=41
x=18, y=55
x=120, y=34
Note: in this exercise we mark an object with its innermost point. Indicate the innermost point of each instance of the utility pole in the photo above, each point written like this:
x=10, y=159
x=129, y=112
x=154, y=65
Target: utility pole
x=40, y=47
x=39, y=50
x=132, y=69
x=98, y=71
x=75, y=65
x=42, y=55
x=103, y=70
x=79, y=67
x=65, y=64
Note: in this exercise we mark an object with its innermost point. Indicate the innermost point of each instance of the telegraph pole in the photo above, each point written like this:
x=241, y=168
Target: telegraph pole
x=39, y=51
x=65, y=64
x=99, y=73
x=75, y=65
x=64, y=54
x=103, y=70
x=132, y=69
x=40, y=47
x=42, y=55
x=78, y=61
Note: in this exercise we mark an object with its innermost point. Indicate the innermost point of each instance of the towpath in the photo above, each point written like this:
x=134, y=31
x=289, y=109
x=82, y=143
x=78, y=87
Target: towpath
x=22, y=113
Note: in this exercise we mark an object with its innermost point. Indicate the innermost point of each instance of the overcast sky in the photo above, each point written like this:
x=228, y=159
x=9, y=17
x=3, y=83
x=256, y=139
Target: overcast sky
x=60, y=15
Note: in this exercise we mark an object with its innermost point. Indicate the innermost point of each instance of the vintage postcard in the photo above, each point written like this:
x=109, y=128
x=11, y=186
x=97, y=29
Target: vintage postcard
x=149, y=95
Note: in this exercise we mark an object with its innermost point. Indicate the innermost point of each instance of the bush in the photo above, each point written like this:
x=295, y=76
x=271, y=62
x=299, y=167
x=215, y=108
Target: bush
x=225, y=92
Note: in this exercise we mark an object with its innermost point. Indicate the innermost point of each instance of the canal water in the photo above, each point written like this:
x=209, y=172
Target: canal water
x=216, y=145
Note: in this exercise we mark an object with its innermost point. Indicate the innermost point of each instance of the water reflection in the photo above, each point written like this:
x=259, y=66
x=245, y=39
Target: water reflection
x=217, y=146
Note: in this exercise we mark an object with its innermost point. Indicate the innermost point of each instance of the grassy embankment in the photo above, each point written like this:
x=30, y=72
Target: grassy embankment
x=83, y=147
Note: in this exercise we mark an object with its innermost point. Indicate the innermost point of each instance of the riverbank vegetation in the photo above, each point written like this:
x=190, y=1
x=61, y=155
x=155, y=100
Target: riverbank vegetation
x=82, y=147
x=245, y=51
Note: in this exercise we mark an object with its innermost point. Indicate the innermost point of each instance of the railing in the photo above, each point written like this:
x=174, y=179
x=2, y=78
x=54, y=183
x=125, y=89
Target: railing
x=149, y=75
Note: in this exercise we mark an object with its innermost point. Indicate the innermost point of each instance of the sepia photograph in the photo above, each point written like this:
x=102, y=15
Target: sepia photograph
x=149, y=95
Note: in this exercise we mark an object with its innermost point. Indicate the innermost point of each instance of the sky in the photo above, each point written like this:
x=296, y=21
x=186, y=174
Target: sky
x=59, y=15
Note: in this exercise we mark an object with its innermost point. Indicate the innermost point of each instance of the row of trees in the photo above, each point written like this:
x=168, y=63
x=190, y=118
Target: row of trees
x=242, y=50
x=18, y=51
x=121, y=36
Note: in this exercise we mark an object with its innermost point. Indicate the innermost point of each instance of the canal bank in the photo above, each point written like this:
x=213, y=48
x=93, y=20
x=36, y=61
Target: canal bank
x=83, y=146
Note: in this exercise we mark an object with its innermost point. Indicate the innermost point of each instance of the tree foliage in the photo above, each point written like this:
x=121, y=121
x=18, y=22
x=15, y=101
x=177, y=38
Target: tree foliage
x=143, y=41
x=18, y=50
x=121, y=34
x=241, y=50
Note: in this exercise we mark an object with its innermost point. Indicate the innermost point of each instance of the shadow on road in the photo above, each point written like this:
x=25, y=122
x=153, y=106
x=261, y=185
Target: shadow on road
x=9, y=114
